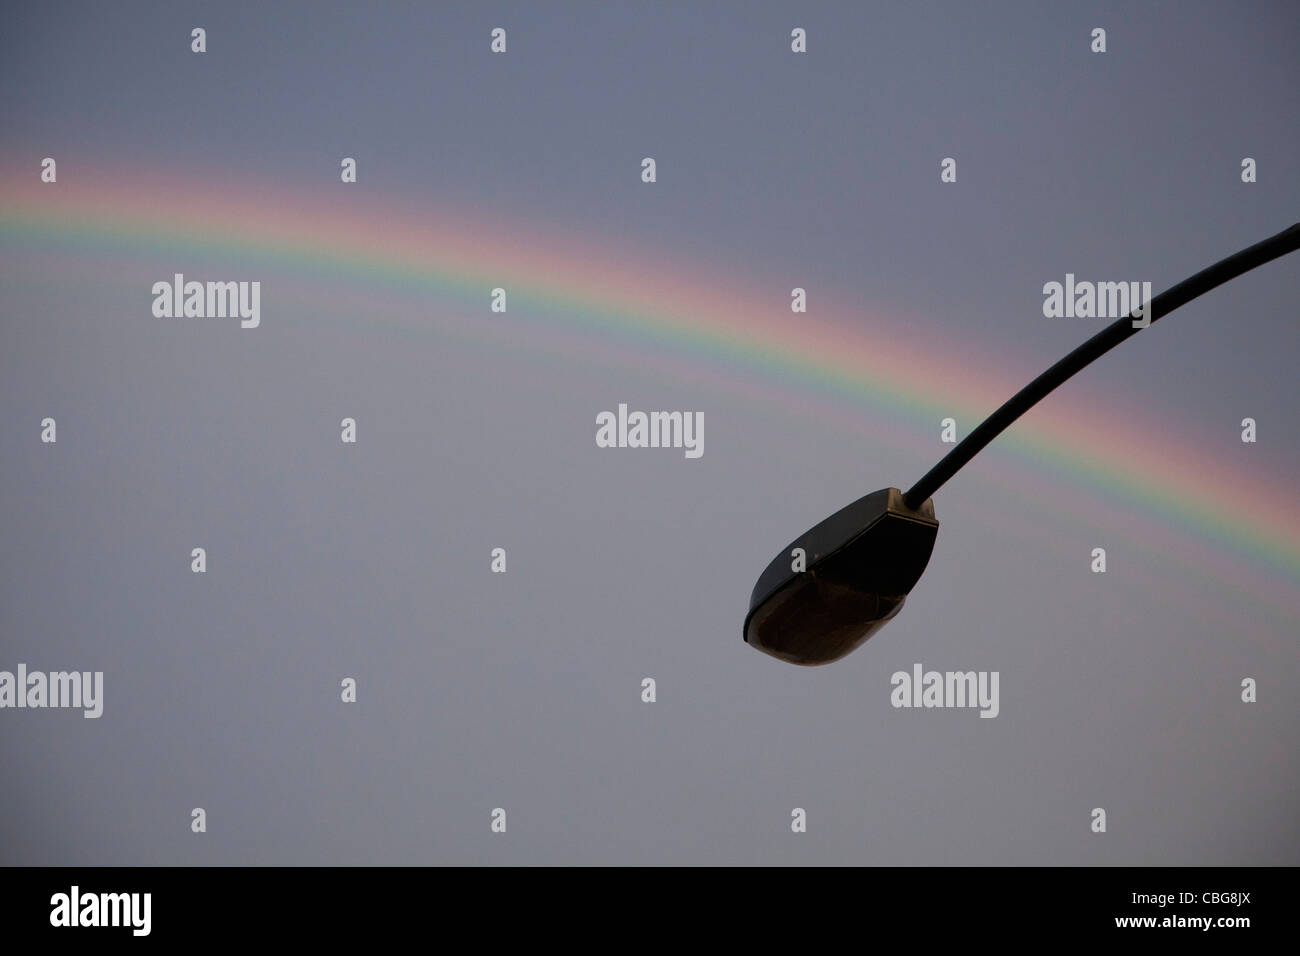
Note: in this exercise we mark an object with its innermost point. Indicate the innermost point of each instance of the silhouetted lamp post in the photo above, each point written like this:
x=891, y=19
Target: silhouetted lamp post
x=862, y=561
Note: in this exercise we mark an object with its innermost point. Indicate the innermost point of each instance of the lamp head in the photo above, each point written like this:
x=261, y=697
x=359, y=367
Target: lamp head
x=859, y=565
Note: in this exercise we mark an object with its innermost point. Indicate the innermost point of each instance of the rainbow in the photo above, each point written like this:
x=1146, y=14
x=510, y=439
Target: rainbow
x=610, y=300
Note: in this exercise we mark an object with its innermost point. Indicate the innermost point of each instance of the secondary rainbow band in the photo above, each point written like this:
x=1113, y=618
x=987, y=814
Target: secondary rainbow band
x=643, y=299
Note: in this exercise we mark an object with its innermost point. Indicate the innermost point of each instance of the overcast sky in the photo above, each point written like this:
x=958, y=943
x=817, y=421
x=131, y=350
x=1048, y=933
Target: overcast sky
x=523, y=690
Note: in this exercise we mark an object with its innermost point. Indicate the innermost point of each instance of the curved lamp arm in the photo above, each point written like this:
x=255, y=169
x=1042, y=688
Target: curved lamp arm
x=1288, y=240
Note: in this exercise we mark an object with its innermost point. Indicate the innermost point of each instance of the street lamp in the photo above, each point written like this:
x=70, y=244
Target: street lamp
x=845, y=578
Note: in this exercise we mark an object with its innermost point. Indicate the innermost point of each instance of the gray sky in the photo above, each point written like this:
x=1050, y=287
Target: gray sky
x=522, y=690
